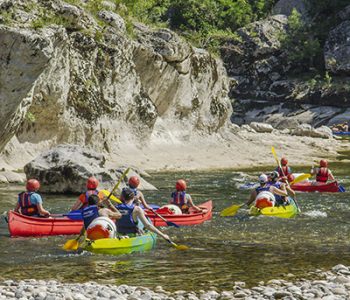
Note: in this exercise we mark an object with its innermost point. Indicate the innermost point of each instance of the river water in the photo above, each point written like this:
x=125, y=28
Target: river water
x=223, y=250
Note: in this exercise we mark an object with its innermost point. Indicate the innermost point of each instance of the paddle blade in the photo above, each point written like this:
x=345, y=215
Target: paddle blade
x=341, y=189
x=181, y=247
x=172, y=224
x=112, y=197
x=71, y=245
x=301, y=177
x=230, y=211
x=178, y=247
x=274, y=154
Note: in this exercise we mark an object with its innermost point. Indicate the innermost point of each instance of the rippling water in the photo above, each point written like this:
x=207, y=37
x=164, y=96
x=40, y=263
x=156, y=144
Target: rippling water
x=224, y=250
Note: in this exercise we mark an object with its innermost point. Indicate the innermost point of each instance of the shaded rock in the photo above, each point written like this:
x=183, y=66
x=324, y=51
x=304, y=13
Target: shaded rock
x=337, y=49
x=285, y=7
x=66, y=168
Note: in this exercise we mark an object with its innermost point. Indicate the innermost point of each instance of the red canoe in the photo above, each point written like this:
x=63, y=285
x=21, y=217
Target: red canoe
x=313, y=186
x=20, y=225
x=192, y=218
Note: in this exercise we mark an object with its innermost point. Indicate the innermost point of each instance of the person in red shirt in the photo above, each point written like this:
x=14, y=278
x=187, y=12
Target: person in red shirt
x=323, y=174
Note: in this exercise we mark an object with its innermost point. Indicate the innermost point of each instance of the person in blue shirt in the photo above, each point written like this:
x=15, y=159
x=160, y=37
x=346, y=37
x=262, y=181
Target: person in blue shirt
x=30, y=203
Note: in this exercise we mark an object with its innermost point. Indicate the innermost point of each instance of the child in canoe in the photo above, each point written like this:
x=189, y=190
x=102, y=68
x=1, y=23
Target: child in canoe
x=30, y=202
x=182, y=199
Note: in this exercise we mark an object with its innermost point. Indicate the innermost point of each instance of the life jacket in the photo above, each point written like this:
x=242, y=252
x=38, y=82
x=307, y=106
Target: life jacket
x=260, y=189
x=126, y=223
x=286, y=171
x=27, y=208
x=88, y=193
x=322, y=175
x=89, y=214
x=179, y=198
x=278, y=198
x=134, y=190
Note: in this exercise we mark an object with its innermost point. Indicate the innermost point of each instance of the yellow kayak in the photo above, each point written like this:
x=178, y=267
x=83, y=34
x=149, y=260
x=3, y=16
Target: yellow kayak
x=287, y=211
x=118, y=246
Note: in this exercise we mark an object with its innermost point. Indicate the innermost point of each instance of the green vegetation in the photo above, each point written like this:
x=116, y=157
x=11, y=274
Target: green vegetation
x=30, y=117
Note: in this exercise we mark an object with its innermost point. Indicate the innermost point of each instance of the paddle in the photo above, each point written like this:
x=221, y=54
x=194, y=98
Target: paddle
x=113, y=198
x=279, y=164
x=74, y=243
x=231, y=211
x=166, y=221
x=178, y=247
x=341, y=189
x=301, y=177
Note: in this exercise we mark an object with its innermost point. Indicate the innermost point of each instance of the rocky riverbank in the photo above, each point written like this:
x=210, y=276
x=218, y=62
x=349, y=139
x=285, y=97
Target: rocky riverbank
x=331, y=285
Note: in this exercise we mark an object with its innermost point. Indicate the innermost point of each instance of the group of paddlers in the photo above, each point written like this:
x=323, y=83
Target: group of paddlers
x=274, y=188
x=103, y=219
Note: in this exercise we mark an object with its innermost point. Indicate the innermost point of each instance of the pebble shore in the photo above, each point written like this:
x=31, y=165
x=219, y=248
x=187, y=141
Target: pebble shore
x=335, y=284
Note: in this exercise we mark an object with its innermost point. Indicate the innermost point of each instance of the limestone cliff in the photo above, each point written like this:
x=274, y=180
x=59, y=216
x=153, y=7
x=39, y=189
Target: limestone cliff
x=69, y=75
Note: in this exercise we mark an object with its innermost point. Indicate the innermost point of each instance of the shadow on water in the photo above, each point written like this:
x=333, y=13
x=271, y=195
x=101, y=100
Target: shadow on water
x=224, y=250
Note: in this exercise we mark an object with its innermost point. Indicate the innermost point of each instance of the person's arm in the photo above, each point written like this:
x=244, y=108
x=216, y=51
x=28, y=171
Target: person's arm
x=17, y=207
x=139, y=213
x=251, y=198
x=43, y=212
x=290, y=190
x=191, y=204
x=313, y=170
x=280, y=192
x=106, y=212
x=143, y=201
x=330, y=175
x=77, y=204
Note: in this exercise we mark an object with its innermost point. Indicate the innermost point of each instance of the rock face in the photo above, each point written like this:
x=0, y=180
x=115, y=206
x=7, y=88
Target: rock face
x=65, y=169
x=89, y=85
x=337, y=49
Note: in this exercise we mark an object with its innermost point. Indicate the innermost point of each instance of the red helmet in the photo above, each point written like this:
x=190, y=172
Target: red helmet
x=323, y=163
x=92, y=183
x=32, y=185
x=284, y=161
x=181, y=185
x=134, y=181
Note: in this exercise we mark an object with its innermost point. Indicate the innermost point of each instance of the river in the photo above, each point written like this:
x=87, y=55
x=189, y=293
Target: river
x=223, y=250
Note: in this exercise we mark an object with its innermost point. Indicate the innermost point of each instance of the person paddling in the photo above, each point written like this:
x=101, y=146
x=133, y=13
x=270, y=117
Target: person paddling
x=269, y=191
x=182, y=199
x=30, y=202
x=285, y=172
x=91, y=185
x=274, y=181
x=133, y=184
x=323, y=174
x=134, y=218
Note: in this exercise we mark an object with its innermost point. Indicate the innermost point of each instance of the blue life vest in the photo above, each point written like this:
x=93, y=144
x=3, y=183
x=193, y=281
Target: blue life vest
x=260, y=189
x=126, y=223
x=279, y=199
x=89, y=213
x=179, y=198
x=27, y=208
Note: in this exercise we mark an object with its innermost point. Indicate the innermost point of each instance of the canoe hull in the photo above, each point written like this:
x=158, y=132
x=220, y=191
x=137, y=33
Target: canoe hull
x=122, y=246
x=20, y=225
x=288, y=211
x=313, y=186
x=193, y=218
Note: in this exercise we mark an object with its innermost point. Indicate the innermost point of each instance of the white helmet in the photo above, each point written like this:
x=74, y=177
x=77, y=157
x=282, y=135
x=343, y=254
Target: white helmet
x=263, y=178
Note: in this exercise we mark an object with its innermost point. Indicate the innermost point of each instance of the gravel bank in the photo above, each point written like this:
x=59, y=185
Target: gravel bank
x=333, y=285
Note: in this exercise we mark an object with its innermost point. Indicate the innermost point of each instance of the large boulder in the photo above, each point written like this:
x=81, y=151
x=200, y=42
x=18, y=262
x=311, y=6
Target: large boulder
x=285, y=7
x=308, y=130
x=261, y=127
x=337, y=49
x=66, y=168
